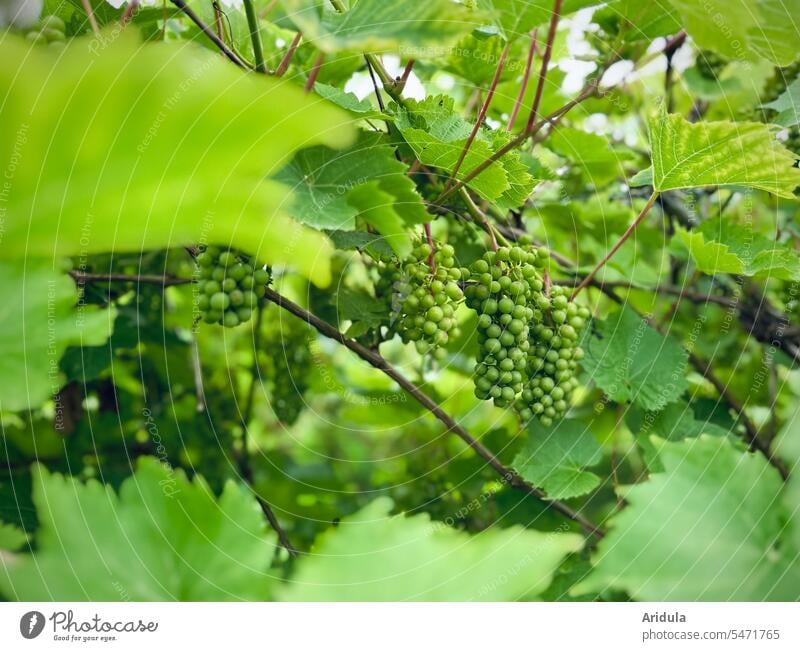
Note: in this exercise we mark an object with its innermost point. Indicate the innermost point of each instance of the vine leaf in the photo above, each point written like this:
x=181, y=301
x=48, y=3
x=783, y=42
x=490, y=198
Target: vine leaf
x=161, y=538
x=787, y=105
x=159, y=145
x=436, y=134
x=556, y=457
x=516, y=18
x=673, y=423
x=720, y=246
x=373, y=556
x=630, y=361
x=740, y=29
x=591, y=153
x=687, y=155
x=709, y=528
x=38, y=321
x=425, y=27
x=349, y=102
x=332, y=188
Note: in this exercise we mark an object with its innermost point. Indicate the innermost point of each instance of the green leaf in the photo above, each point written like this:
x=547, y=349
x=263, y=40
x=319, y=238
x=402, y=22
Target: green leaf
x=555, y=458
x=706, y=529
x=349, y=102
x=332, y=188
x=787, y=105
x=374, y=245
x=11, y=538
x=38, y=321
x=673, y=423
x=377, y=208
x=710, y=257
x=741, y=29
x=161, y=538
x=158, y=146
x=373, y=556
x=636, y=21
x=517, y=18
x=437, y=134
x=591, y=153
x=419, y=28
x=358, y=306
x=721, y=246
x=630, y=361
x=687, y=155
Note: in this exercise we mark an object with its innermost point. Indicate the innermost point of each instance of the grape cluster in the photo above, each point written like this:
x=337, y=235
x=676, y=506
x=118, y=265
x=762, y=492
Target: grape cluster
x=425, y=294
x=287, y=362
x=710, y=64
x=48, y=30
x=229, y=286
x=553, y=358
x=506, y=292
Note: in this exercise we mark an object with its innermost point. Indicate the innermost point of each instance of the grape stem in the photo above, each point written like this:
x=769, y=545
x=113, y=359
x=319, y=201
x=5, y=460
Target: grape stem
x=432, y=245
x=283, y=66
x=255, y=36
x=508, y=474
x=480, y=216
x=312, y=76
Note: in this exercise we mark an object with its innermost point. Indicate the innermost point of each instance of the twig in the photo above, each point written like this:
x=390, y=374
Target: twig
x=375, y=86
x=312, y=76
x=283, y=66
x=432, y=245
x=377, y=361
x=481, y=116
x=523, y=136
x=87, y=7
x=197, y=371
x=680, y=292
x=127, y=16
x=403, y=80
x=480, y=216
x=615, y=248
x=141, y=279
x=255, y=35
x=180, y=4
x=548, y=51
x=524, y=84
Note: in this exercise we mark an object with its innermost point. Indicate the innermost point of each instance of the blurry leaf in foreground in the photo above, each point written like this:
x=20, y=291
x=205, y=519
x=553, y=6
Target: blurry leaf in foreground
x=709, y=528
x=135, y=147
x=161, y=538
x=373, y=556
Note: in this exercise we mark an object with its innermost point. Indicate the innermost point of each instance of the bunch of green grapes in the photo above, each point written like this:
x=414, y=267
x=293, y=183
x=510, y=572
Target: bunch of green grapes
x=506, y=292
x=48, y=30
x=553, y=358
x=229, y=286
x=710, y=64
x=425, y=294
x=287, y=361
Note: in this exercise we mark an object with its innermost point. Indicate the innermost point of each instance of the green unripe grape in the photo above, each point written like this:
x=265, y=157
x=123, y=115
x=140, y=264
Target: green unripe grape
x=236, y=298
x=237, y=272
x=247, y=282
x=228, y=285
x=203, y=302
x=219, y=301
x=212, y=287
x=244, y=314
x=230, y=319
